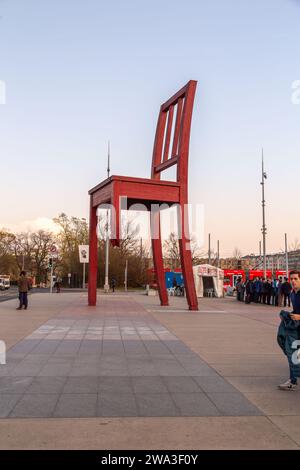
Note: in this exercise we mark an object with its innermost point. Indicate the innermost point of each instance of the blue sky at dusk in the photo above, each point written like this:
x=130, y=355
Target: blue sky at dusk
x=78, y=73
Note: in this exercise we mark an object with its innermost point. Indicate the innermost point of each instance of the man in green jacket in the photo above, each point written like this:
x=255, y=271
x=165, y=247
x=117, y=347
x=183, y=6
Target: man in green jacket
x=24, y=286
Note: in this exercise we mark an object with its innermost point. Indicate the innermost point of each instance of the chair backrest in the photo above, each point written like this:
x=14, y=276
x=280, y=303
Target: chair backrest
x=171, y=144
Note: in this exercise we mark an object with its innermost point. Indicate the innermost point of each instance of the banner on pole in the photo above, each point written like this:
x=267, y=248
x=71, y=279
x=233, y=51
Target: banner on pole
x=84, y=253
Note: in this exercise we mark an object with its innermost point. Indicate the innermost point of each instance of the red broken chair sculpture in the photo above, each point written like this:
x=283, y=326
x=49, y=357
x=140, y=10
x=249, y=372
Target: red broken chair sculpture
x=171, y=147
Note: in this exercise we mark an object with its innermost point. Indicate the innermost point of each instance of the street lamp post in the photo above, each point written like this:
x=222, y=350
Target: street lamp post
x=106, y=283
x=264, y=228
x=286, y=256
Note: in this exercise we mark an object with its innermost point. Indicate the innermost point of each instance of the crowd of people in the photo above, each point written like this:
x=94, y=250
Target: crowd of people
x=275, y=292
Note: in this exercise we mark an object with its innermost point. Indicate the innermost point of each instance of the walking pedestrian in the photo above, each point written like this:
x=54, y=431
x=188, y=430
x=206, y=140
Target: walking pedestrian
x=24, y=286
x=291, y=333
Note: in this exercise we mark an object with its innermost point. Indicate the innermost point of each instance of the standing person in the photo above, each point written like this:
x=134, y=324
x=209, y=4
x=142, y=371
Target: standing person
x=257, y=290
x=24, y=286
x=243, y=290
x=291, y=384
x=268, y=291
x=113, y=284
x=264, y=290
x=286, y=291
x=279, y=289
x=57, y=286
x=255, y=295
x=238, y=287
x=259, y=300
x=273, y=292
x=249, y=291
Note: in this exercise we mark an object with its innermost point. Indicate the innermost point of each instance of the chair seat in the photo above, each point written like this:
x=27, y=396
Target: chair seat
x=136, y=190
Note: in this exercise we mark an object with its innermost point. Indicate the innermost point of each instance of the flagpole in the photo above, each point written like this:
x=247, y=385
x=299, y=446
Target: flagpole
x=264, y=228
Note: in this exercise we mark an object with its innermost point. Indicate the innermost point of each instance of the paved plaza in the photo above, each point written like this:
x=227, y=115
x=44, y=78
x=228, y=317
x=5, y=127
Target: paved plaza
x=131, y=374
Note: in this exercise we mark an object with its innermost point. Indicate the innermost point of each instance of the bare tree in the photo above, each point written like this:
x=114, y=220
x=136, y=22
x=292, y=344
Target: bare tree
x=171, y=250
x=237, y=254
x=7, y=260
x=41, y=242
x=295, y=245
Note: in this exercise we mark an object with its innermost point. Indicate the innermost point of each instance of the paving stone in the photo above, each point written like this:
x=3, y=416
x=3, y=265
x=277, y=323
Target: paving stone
x=234, y=404
x=91, y=347
x=46, y=385
x=112, y=404
x=200, y=370
x=55, y=370
x=214, y=384
x=76, y=405
x=35, y=406
x=7, y=403
x=115, y=384
x=194, y=404
x=156, y=404
x=26, y=370
x=149, y=385
x=35, y=358
x=14, y=384
x=47, y=346
x=85, y=370
x=25, y=346
x=74, y=385
x=181, y=385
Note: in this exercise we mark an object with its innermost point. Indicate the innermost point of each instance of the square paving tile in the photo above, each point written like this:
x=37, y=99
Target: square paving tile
x=113, y=404
x=157, y=404
x=116, y=385
x=35, y=406
x=214, y=384
x=76, y=405
x=181, y=385
x=48, y=385
x=55, y=370
x=74, y=385
x=7, y=403
x=85, y=370
x=26, y=370
x=234, y=404
x=194, y=404
x=148, y=385
x=47, y=346
x=14, y=384
x=25, y=346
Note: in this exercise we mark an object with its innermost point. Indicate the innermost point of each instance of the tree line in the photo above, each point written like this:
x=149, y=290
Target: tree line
x=30, y=251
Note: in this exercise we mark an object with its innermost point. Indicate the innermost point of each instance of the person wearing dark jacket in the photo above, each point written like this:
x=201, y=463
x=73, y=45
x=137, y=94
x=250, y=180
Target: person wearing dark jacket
x=24, y=286
x=239, y=287
x=113, y=284
x=289, y=333
x=269, y=291
x=249, y=291
x=279, y=292
x=286, y=292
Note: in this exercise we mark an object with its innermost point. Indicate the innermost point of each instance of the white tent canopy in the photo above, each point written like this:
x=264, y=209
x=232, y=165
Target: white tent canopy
x=208, y=279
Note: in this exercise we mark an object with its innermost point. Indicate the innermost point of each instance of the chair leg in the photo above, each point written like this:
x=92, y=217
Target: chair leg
x=187, y=271
x=186, y=257
x=158, y=258
x=93, y=257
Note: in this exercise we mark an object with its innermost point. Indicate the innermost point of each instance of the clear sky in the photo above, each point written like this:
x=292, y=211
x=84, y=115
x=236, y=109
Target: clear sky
x=78, y=73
